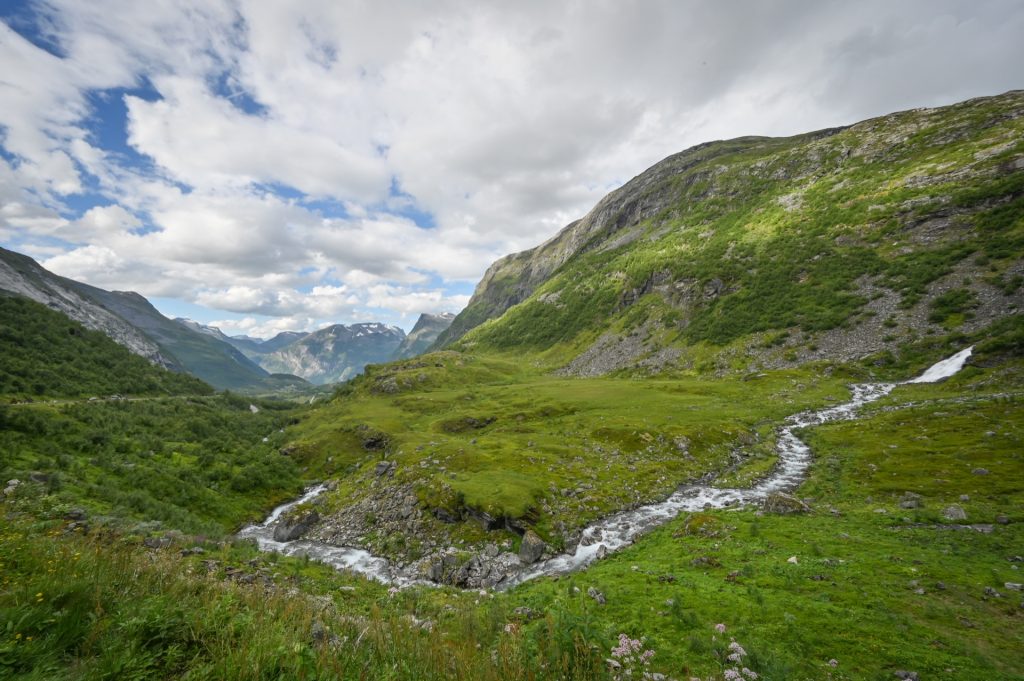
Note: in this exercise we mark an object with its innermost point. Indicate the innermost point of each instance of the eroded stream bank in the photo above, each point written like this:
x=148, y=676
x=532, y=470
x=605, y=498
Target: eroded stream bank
x=618, y=530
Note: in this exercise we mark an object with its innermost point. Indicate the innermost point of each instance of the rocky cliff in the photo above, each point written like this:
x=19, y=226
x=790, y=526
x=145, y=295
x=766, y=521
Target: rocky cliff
x=426, y=331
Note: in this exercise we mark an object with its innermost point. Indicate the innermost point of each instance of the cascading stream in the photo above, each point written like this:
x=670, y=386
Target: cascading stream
x=619, y=530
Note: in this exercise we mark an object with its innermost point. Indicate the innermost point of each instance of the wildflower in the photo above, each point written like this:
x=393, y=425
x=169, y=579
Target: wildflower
x=720, y=628
x=833, y=662
x=737, y=654
x=750, y=674
x=392, y=592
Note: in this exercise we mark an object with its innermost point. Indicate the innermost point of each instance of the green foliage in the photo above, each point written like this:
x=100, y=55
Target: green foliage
x=198, y=464
x=956, y=302
x=45, y=354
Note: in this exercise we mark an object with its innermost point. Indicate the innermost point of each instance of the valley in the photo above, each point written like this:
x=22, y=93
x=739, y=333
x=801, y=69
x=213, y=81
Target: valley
x=687, y=419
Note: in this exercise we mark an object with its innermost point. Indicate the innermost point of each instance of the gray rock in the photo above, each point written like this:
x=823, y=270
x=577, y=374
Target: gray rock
x=602, y=551
x=318, y=632
x=907, y=676
x=784, y=504
x=910, y=500
x=156, y=542
x=1013, y=586
x=75, y=514
x=384, y=468
x=1002, y=519
x=531, y=548
x=596, y=595
x=291, y=528
x=42, y=478
x=954, y=512
x=980, y=471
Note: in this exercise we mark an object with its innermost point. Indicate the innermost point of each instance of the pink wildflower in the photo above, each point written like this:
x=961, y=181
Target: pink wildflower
x=720, y=628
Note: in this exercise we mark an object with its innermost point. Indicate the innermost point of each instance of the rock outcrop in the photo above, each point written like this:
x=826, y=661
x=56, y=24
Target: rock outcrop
x=294, y=526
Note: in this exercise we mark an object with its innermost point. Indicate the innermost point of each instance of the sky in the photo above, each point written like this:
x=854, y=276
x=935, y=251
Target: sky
x=264, y=165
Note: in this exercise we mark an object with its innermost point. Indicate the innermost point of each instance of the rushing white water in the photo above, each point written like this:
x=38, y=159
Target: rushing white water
x=619, y=530
x=340, y=557
x=945, y=368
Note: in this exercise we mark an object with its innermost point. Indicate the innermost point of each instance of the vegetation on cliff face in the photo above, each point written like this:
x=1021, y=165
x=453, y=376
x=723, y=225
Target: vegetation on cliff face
x=807, y=245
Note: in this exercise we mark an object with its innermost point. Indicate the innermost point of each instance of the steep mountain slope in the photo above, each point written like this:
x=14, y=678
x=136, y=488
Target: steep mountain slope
x=426, y=331
x=43, y=353
x=761, y=252
x=23, y=276
x=335, y=353
x=132, y=321
x=202, y=355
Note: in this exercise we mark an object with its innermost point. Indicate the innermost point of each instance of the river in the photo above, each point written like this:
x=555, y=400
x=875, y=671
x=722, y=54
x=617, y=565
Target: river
x=616, y=531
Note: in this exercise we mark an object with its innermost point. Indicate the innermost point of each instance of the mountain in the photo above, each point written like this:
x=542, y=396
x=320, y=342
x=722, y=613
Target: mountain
x=759, y=252
x=428, y=327
x=211, y=331
x=23, y=276
x=133, y=322
x=335, y=353
x=45, y=353
x=281, y=340
x=200, y=354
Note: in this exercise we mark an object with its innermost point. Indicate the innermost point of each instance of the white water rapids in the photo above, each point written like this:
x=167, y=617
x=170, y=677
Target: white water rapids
x=619, y=530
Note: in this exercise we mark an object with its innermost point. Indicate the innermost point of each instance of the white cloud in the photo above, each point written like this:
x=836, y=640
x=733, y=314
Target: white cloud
x=503, y=121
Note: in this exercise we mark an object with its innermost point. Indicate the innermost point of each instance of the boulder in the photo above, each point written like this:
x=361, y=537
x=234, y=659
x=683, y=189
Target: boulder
x=293, y=527
x=783, y=504
x=596, y=595
x=910, y=500
x=954, y=512
x=532, y=547
x=75, y=514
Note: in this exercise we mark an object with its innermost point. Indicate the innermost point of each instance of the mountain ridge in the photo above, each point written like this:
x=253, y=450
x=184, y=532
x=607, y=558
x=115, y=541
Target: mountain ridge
x=335, y=353
x=132, y=321
x=760, y=252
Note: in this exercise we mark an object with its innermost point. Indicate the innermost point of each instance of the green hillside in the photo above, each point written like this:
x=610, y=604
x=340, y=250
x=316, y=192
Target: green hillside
x=772, y=252
x=43, y=354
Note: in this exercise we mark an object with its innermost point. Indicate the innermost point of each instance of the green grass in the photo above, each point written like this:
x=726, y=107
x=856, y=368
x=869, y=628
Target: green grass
x=198, y=464
x=512, y=442
x=82, y=607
